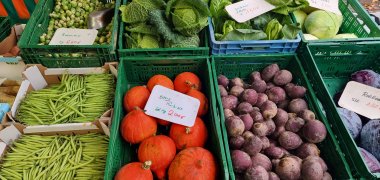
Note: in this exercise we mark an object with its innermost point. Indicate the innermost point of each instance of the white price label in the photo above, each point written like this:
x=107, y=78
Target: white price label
x=173, y=106
x=247, y=9
x=67, y=36
x=362, y=99
x=327, y=5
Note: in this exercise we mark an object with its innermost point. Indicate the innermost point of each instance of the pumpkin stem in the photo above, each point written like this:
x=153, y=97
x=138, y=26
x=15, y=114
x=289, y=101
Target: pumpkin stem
x=139, y=109
x=191, y=85
x=147, y=165
x=188, y=130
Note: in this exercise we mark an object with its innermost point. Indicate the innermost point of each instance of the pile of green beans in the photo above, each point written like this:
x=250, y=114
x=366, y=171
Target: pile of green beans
x=78, y=98
x=74, y=14
x=56, y=157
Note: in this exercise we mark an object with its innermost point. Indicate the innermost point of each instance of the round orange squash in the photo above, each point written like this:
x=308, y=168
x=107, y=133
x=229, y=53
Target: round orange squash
x=137, y=126
x=160, y=150
x=193, y=163
x=185, y=137
x=203, y=106
x=136, y=97
x=135, y=171
x=185, y=81
x=160, y=79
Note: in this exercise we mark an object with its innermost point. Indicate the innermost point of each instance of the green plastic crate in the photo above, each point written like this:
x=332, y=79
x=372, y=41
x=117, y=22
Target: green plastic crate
x=124, y=52
x=355, y=20
x=242, y=66
x=5, y=27
x=329, y=68
x=91, y=55
x=137, y=71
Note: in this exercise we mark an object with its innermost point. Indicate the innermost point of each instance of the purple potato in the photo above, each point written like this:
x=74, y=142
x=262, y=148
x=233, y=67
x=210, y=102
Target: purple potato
x=268, y=109
x=351, y=121
x=281, y=117
x=370, y=160
x=223, y=91
x=307, y=149
x=256, y=173
x=235, y=126
x=247, y=135
x=250, y=96
x=277, y=132
x=294, y=124
x=307, y=115
x=236, y=91
x=228, y=113
x=314, y=131
x=271, y=126
x=270, y=85
x=288, y=168
x=236, y=142
x=326, y=176
x=244, y=108
x=236, y=82
x=296, y=92
x=248, y=121
x=317, y=159
x=259, y=86
x=252, y=146
x=223, y=80
x=297, y=105
x=273, y=176
x=260, y=129
x=274, y=152
x=261, y=160
x=311, y=170
x=261, y=98
x=289, y=140
x=240, y=160
x=276, y=94
x=254, y=76
x=283, y=104
x=257, y=116
x=282, y=77
x=268, y=72
x=229, y=102
x=265, y=142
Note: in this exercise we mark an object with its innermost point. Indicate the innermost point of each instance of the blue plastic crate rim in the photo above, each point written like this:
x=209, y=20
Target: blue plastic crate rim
x=214, y=41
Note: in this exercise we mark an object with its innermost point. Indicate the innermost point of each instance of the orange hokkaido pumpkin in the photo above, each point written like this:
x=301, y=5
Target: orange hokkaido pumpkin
x=203, y=106
x=193, y=163
x=185, y=81
x=160, y=150
x=136, y=96
x=135, y=171
x=185, y=137
x=160, y=80
x=163, y=122
x=137, y=126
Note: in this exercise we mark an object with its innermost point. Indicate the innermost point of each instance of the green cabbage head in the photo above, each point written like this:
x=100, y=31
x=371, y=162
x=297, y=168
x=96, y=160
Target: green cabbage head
x=323, y=24
x=188, y=17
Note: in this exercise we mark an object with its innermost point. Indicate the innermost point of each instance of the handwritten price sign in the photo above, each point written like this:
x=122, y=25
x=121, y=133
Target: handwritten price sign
x=327, y=5
x=247, y=9
x=362, y=99
x=172, y=106
x=68, y=36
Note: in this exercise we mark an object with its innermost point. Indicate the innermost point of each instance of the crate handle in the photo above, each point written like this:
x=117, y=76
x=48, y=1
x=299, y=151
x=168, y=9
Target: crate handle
x=255, y=47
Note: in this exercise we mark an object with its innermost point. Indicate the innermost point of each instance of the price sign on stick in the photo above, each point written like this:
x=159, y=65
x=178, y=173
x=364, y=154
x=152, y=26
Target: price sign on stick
x=362, y=99
x=68, y=36
x=173, y=106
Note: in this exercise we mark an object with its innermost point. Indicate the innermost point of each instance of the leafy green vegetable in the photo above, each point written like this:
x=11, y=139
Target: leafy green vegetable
x=273, y=29
x=244, y=34
x=189, y=17
x=218, y=5
x=137, y=10
x=287, y=6
x=290, y=31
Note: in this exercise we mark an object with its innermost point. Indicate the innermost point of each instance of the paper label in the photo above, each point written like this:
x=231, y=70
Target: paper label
x=327, y=5
x=35, y=77
x=9, y=134
x=67, y=36
x=173, y=106
x=362, y=99
x=247, y=9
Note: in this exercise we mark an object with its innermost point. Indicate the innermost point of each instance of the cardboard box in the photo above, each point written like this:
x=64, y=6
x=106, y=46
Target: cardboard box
x=10, y=42
x=38, y=77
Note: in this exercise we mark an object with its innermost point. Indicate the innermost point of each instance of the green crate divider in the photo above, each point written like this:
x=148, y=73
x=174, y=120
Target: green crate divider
x=242, y=66
x=13, y=16
x=355, y=20
x=5, y=27
x=137, y=71
x=91, y=55
x=124, y=52
x=329, y=67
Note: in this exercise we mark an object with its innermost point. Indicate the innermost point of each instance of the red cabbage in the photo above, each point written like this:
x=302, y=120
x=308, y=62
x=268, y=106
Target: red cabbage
x=367, y=77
